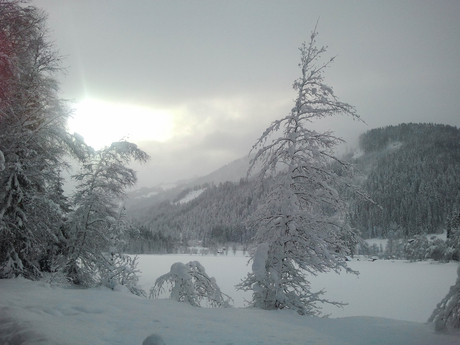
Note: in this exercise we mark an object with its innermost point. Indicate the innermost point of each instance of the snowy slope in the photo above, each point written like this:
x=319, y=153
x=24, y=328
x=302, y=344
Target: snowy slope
x=35, y=313
x=190, y=196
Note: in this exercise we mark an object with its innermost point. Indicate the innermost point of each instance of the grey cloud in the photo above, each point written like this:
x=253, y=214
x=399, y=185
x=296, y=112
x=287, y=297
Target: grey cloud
x=397, y=62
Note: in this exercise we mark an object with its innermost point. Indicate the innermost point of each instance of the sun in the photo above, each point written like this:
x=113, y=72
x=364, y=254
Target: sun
x=101, y=123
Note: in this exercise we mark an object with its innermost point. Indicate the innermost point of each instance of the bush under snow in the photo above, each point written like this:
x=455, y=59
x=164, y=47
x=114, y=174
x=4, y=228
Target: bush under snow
x=190, y=283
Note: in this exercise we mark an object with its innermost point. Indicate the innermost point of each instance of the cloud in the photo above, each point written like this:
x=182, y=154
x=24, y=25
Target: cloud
x=225, y=68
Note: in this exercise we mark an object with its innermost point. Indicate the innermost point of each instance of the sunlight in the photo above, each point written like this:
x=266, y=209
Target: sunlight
x=101, y=123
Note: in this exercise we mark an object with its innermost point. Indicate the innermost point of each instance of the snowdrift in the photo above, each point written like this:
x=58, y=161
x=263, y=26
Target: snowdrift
x=37, y=313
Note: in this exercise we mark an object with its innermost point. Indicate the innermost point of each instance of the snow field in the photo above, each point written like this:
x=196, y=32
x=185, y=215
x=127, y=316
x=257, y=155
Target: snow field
x=37, y=313
x=393, y=289
x=228, y=271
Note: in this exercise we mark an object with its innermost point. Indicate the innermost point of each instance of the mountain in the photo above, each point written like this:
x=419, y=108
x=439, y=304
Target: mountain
x=232, y=172
x=412, y=171
x=210, y=207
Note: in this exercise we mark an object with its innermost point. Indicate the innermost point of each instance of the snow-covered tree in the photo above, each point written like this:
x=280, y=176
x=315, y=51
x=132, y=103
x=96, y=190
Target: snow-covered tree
x=97, y=224
x=453, y=237
x=416, y=248
x=437, y=250
x=120, y=270
x=446, y=316
x=39, y=231
x=33, y=142
x=190, y=283
x=300, y=227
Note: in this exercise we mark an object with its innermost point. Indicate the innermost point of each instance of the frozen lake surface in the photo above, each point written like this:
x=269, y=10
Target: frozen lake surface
x=393, y=289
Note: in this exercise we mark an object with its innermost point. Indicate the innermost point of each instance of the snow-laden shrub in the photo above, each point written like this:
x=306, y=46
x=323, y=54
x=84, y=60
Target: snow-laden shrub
x=420, y=248
x=121, y=269
x=453, y=245
x=446, y=316
x=437, y=250
x=190, y=283
x=416, y=248
x=11, y=266
x=112, y=269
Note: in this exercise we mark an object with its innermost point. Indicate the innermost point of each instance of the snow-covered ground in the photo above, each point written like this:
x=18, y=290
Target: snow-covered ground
x=36, y=313
x=190, y=196
x=382, y=242
x=393, y=289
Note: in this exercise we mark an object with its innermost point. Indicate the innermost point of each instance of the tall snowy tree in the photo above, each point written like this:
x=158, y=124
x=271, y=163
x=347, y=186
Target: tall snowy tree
x=33, y=141
x=98, y=224
x=300, y=227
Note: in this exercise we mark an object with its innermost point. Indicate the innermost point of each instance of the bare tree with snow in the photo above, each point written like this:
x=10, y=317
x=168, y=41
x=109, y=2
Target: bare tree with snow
x=98, y=224
x=301, y=226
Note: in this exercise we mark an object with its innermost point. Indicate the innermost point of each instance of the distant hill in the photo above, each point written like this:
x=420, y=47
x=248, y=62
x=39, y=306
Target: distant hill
x=184, y=205
x=413, y=172
x=232, y=172
x=211, y=213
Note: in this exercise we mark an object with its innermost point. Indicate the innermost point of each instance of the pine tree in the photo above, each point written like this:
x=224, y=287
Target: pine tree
x=300, y=227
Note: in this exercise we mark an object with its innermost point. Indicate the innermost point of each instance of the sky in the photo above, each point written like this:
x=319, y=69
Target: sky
x=195, y=83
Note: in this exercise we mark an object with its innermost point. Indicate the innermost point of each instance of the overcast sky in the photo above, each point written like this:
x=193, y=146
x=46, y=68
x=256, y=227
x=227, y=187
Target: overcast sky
x=194, y=83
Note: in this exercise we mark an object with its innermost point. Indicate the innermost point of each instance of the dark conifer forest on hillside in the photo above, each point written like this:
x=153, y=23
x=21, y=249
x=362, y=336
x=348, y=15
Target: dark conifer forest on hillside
x=412, y=171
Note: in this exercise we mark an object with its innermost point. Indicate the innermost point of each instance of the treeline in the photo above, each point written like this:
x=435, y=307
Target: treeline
x=412, y=172
x=420, y=247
